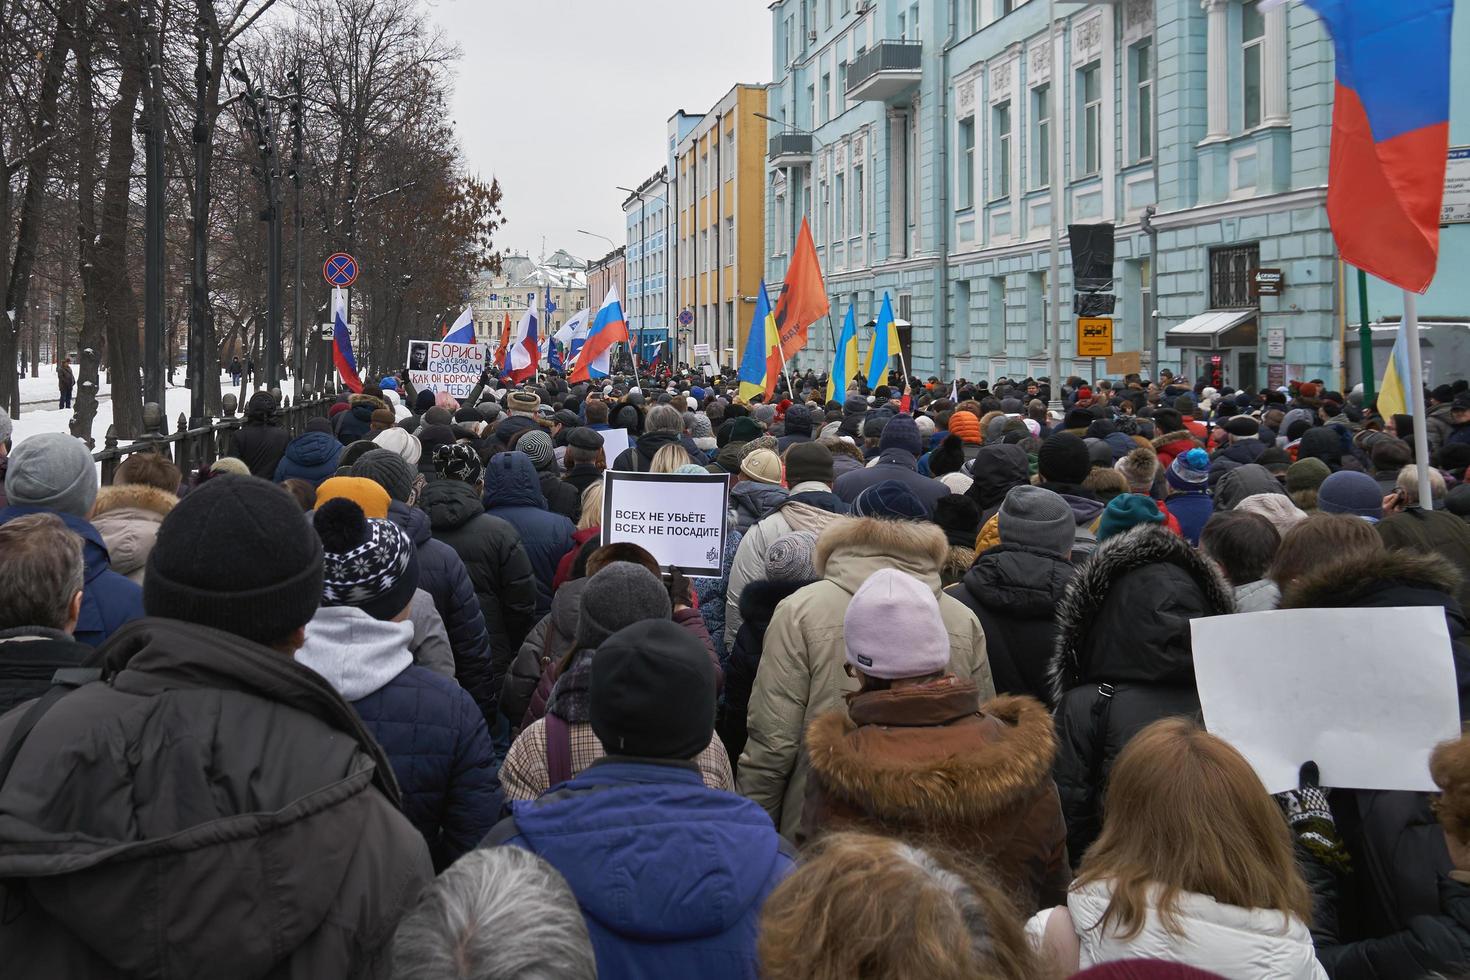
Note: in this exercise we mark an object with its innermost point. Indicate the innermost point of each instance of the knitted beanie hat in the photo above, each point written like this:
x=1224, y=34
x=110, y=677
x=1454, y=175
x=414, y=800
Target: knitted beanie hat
x=272, y=584
x=388, y=470
x=619, y=595
x=1307, y=474
x=1035, y=517
x=790, y=557
x=1190, y=471
x=1139, y=468
x=1125, y=512
x=652, y=692
x=536, y=444
x=367, y=563
x=1351, y=492
x=959, y=519
x=1063, y=459
x=371, y=498
x=901, y=433
x=893, y=628
x=809, y=462
x=53, y=470
x=458, y=462
x=890, y=500
x=401, y=442
x=762, y=466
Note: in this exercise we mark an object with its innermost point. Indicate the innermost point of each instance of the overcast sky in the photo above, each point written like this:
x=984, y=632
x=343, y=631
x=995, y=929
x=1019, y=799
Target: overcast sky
x=565, y=99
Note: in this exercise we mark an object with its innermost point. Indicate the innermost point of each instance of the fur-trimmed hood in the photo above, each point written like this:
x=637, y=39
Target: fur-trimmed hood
x=962, y=770
x=361, y=399
x=133, y=496
x=128, y=515
x=1125, y=615
x=852, y=548
x=1183, y=435
x=1352, y=581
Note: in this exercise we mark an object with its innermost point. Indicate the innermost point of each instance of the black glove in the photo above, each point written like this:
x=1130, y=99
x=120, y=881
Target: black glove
x=1309, y=815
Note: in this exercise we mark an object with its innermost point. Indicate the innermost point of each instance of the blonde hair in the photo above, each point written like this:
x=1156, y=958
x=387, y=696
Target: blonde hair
x=873, y=907
x=591, y=515
x=669, y=458
x=1184, y=812
x=1449, y=766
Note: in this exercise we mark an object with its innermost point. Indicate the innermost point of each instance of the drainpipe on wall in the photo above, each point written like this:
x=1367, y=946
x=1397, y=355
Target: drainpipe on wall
x=941, y=277
x=718, y=196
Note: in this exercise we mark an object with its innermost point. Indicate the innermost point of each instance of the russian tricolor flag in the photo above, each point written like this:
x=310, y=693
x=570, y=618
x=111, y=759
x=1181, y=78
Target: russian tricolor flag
x=463, y=330
x=346, y=364
x=1390, y=134
x=525, y=347
x=608, y=328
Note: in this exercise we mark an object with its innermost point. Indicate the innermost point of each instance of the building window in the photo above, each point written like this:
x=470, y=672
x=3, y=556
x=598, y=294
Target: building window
x=1143, y=101
x=811, y=98
x=826, y=96
x=965, y=192
x=839, y=210
x=1000, y=124
x=824, y=219
x=704, y=251
x=729, y=241
x=858, y=194
x=1253, y=41
x=1089, y=123
x=1041, y=136
x=1231, y=270
x=1003, y=7
x=780, y=219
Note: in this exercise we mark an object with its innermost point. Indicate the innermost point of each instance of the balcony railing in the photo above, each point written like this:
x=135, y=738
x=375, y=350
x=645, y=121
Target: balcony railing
x=791, y=149
x=887, y=71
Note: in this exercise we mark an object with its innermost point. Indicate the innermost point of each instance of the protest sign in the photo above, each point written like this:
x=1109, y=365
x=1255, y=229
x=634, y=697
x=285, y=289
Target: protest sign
x=1364, y=693
x=451, y=368
x=679, y=518
x=614, y=441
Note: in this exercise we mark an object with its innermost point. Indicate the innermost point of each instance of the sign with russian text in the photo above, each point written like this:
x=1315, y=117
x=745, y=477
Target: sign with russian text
x=680, y=519
x=1094, y=336
x=451, y=368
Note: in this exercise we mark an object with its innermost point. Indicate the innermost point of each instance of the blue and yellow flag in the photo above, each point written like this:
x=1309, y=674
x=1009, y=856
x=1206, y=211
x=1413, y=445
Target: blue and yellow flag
x=845, y=361
x=760, y=364
x=1395, y=394
x=885, y=345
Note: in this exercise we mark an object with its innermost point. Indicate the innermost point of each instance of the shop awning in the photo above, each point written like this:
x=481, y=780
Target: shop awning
x=1216, y=329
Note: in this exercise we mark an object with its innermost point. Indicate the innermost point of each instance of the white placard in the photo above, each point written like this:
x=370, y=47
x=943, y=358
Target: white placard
x=451, y=368
x=679, y=518
x=614, y=441
x=1364, y=693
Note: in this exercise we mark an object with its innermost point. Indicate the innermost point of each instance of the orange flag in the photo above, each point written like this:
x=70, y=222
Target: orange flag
x=803, y=299
x=504, y=343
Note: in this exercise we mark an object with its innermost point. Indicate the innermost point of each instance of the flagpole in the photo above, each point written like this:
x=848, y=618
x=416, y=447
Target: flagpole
x=790, y=391
x=1416, y=389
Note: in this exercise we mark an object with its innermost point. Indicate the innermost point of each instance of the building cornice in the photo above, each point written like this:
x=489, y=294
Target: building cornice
x=1308, y=197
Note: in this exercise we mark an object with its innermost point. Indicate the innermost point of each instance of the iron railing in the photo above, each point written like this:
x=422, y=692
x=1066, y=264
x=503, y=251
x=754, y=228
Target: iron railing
x=791, y=144
x=884, y=56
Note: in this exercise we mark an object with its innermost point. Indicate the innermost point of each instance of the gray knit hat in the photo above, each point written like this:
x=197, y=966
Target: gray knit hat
x=388, y=470
x=1035, y=517
x=619, y=595
x=537, y=445
x=52, y=470
x=790, y=557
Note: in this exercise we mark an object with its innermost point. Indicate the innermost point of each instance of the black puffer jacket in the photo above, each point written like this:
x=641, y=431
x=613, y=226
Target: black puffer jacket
x=996, y=469
x=260, y=442
x=496, y=562
x=1123, y=659
x=758, y=604
x=29, y=657
x=1397, y=846
x=1015, y=592
x=1429, y=945
x=639, y=456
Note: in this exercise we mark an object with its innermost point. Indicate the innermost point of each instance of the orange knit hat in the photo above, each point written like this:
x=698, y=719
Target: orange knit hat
x=365, y=493
x=966, y=426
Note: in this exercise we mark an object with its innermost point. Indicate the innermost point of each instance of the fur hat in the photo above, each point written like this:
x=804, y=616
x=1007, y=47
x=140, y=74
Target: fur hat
x=1139, y=468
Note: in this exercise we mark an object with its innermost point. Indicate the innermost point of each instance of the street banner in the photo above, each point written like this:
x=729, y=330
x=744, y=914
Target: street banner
x=614, y=441
x=1364, y=693
x=680, y=519
x=454, y=369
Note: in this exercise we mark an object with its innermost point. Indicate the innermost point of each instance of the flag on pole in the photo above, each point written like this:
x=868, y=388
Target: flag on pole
x=885, y=345
x=954, y=392
x=803, y=298
x=503, y=345
x=1395, y=396
x=845, y=360
x=525, y=346
x=1390, y=133
x=463, y=329
x=760, y=365
x=608, y=327
x=342, y=356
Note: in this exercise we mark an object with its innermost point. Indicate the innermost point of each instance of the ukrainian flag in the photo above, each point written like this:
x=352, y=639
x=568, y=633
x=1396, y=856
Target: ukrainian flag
x=1395, y=397
x=844, y=362
x=885, y=345
x=757, y=374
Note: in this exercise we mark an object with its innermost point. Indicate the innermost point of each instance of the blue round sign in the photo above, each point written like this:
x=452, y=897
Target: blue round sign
x=340, y=270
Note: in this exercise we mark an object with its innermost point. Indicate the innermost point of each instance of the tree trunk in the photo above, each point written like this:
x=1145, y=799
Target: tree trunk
x=89, y=337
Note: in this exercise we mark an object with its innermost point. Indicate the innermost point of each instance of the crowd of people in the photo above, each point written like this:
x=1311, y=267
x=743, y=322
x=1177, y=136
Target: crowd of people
x=377, y=699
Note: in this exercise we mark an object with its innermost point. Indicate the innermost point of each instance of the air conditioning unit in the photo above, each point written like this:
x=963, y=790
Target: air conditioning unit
x=864, y=6
x=811, y=37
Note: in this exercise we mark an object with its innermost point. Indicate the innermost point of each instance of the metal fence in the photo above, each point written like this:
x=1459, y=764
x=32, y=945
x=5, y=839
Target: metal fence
x=191, y=448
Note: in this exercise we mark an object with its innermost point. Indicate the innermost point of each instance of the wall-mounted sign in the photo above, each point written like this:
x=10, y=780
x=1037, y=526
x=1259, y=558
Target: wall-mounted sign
x=1276, y=342
x=1268, y=282
x=1456, y=207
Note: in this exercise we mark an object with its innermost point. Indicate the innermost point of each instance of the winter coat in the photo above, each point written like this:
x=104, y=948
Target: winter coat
x=513, y=493
x=1236, y=454
x=1086, y=509
x=670, y=875
x=757, y=605
x=1430, y=945
x=109, y=600
x=802, y=672
x=892, y=464
x=582, y=476
x=997, y=469
x=561, y=497
x=639, y=456
x=811, y=506
x=549, y=641
x=1015, y=592
x=357, y=422
x=149, y=845
x=443, y=575
x=311, y=456
x=752, y=501
x=1193, y=510
x=1438, y=425
x=1123, y=659
x=1226, y=940
x=1397, y=847
x=29, y=657
x=1432, y=532
x=1261, y=595
x=496, y=563
x=127, y=516
x=430, y=644
x=929, y=762
x=1173, y=444
x=430, y=728
x=260, y=444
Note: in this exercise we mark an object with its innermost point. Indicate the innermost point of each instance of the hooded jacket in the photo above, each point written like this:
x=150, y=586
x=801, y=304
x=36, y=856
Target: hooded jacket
x=1238, y=453
x=357, y=422
x=802, y=672
x=997, y=469
x=311, y=456
x=135, y=841
x=442, y=574
x=892, y=464
x=260, y=442
x=797, y=428
x=929, y=762
x=1432, y=532
x=127, y=515
x=1244, y=481
x=639, y=456
x=548, y=642
x=513, y=492
x=751, y=501
x=29, y=657
x=1123, y=658
x=109, y=600
x=1015, y=592
x=670, y=875
x=496, y=563
x=1173, y=444
x=429, y=727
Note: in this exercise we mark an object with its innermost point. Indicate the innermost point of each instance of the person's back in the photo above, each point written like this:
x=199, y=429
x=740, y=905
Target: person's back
x=897, y=459
x=670, y=875
x=145, y=843
x=261, y=441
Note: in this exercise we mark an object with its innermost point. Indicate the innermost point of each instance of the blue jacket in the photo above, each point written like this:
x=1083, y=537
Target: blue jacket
x=311, y=456
x=513, y=493
x=108, y=599
x=1191, y=510
x=670, y=875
